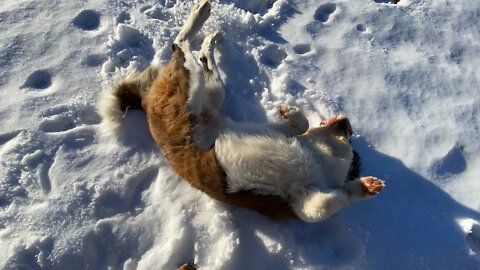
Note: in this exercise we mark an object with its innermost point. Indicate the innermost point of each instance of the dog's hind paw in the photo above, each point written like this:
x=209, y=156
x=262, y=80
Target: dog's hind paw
x=198, y=16
x=200, y=12
x=286, y=110
x=187, y=266
x=295, y=117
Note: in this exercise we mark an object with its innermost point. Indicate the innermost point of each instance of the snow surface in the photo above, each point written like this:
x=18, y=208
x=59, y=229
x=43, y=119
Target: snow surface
x=405, y=74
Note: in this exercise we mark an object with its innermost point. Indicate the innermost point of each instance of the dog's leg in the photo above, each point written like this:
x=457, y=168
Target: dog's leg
x=296, y=123
x=208, y=122
x=313, y=205
x=364, y=188
x=198, y=15
x=205, y=87
x=214, y=87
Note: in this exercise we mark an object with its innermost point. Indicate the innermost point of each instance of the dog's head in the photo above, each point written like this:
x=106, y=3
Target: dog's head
x=333, y=137
x=337, y=127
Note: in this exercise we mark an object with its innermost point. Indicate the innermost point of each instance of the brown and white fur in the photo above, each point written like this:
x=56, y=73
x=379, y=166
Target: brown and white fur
x=278, y=169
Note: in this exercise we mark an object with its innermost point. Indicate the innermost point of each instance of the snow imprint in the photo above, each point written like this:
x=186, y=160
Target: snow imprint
x=87, y=20
x=323, y=12
x=157, y=12
x=272, y=55
x=302, y=48
x=473, y=239
x=39, y=80
x=129, y=45
x=65, y=119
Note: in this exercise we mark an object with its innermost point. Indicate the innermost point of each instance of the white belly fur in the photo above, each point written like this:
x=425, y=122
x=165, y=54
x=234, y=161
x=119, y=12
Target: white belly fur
x=260, y=159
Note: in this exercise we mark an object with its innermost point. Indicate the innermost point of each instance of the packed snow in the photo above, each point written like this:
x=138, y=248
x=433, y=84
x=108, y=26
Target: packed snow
x=405, y=74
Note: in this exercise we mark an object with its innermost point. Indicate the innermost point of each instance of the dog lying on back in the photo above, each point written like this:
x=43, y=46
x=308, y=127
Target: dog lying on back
x=281, y=169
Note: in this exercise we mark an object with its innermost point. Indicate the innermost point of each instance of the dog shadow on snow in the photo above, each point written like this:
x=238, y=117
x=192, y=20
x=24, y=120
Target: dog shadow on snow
x=412, y=224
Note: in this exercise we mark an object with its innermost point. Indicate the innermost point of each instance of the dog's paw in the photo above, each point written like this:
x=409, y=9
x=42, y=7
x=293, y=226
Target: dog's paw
x=187, y=266
x=372, y=185
x=209, y=42
x=201, y=10
x=198, y=16
x=286, y=110
x=295, y=117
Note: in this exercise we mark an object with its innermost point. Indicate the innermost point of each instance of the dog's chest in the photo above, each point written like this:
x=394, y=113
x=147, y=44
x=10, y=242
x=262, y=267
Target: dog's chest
x=274, y=165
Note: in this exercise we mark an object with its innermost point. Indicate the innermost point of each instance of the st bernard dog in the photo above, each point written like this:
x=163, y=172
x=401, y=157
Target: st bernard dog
x=281, y=169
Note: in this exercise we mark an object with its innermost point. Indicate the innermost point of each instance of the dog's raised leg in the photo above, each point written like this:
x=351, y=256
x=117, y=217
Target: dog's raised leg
x=198, y=16
x=296, y=123
x=208, y=122
x=313, y=205
x=214, y=86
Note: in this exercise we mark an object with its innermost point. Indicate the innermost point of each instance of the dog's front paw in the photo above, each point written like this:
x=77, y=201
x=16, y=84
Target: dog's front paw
x=372, y=185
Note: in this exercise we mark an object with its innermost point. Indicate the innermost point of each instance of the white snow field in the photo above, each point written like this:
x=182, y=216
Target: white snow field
x=406, y=75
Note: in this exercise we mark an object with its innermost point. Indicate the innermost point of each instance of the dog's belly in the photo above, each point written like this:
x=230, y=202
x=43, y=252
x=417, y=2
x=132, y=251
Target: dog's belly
x=267, y=163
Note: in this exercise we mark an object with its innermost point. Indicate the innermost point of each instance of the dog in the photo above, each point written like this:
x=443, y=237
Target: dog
x=284, y=169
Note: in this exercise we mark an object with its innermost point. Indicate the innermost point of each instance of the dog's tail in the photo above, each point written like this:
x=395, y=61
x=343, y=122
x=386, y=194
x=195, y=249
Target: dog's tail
x=126, y=94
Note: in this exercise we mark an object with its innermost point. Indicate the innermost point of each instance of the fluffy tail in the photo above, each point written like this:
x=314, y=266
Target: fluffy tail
x=125, y=95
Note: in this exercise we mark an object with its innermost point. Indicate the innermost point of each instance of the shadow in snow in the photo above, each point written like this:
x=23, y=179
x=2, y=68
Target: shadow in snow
x=412, y=224
x=452, y=163
x=244, y=84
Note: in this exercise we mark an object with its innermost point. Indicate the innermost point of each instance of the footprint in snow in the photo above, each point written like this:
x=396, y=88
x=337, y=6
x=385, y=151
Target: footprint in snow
x=452, y=163
x=94, y=60
x=322, y=18
x=302, y=48
x=87, y=20
x=272, y=55
x=124, y=17
x=157, y=13
x=38, y=80
x=322, y=14
x=361, y=28
x=64, y=118
x=473, y=239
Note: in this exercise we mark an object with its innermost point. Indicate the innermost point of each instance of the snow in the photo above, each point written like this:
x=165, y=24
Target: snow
x=406, y=75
